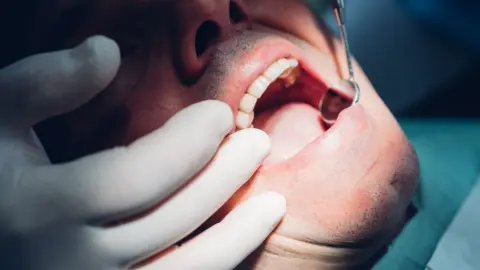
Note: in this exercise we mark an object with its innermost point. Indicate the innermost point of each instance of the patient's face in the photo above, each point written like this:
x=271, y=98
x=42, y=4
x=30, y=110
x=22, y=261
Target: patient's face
x=345, y=186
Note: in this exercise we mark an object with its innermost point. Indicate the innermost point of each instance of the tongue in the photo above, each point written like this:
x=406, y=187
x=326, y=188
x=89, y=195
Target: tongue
x=291, y=127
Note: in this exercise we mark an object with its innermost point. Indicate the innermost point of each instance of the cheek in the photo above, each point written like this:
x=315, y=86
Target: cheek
x=156, y=98
x=149, y=110
x=155, y=103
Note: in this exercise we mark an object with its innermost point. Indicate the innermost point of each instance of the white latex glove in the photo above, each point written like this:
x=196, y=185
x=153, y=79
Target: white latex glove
x=52, y=216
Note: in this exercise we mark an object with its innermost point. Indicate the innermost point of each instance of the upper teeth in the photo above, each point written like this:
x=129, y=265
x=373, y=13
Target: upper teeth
x=281, y=69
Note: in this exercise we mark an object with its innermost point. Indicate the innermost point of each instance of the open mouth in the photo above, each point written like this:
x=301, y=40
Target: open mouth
x=284, y=102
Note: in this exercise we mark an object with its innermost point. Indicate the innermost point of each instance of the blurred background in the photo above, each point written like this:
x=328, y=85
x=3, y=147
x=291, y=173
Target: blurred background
x=423, y=56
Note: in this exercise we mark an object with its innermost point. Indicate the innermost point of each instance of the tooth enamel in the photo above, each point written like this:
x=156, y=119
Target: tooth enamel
x=285, y=69
x=291, y=78
x=290, y=75
x=258, y=87
x=247, y=103
x=244, y=120
x=286, y=73
x=279, y=69
x=276, y=69
x=292, y=62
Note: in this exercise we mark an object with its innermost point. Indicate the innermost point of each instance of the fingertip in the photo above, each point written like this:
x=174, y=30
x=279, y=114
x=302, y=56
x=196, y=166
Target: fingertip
x=100, y=59
x=255, y=139
x=98, y=46
x=277, y=201
x=217, y=113
x=268, y=209
x=275, y=206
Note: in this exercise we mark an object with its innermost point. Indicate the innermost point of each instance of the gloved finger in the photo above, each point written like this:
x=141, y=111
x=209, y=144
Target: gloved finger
x=228, y=243
x=124, y=181
x=49, y=84
x=236, y=161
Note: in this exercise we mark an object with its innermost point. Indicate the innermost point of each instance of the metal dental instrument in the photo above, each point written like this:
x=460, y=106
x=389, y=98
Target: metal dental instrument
x=346, y=92
x=339, y=10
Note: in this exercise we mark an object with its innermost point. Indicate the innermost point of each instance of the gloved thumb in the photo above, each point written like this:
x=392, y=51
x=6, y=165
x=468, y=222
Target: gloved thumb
x=48, y=84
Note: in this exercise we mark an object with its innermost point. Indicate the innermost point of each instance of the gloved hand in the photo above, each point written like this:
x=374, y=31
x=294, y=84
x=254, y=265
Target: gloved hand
x=53, y=217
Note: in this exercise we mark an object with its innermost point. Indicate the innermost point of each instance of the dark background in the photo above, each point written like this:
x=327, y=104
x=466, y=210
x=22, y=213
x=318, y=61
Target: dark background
x=417, y=68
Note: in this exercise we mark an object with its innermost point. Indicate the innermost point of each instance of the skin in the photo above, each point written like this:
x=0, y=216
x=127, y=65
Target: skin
x=347, y=193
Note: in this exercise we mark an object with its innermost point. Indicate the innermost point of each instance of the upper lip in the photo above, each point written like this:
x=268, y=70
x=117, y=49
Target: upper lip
x=259, y=58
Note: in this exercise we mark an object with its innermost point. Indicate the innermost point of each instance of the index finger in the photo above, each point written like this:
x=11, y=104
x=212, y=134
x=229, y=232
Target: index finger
x=44, y=85
x=121, y=182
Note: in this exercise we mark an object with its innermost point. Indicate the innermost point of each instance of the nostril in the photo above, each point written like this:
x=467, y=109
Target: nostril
x=236, y=13
x=207, y=34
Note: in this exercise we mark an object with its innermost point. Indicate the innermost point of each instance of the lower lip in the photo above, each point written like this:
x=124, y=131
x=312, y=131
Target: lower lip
x=350, y=122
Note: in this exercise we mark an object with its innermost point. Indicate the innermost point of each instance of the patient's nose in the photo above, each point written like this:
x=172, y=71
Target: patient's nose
x=202, y=25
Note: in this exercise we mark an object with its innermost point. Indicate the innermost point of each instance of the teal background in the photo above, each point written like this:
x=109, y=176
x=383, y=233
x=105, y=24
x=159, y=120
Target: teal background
x=449, y=154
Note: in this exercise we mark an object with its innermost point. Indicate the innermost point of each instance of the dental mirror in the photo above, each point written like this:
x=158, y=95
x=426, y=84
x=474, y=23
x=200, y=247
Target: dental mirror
x=346, y=92
x=337, y=98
